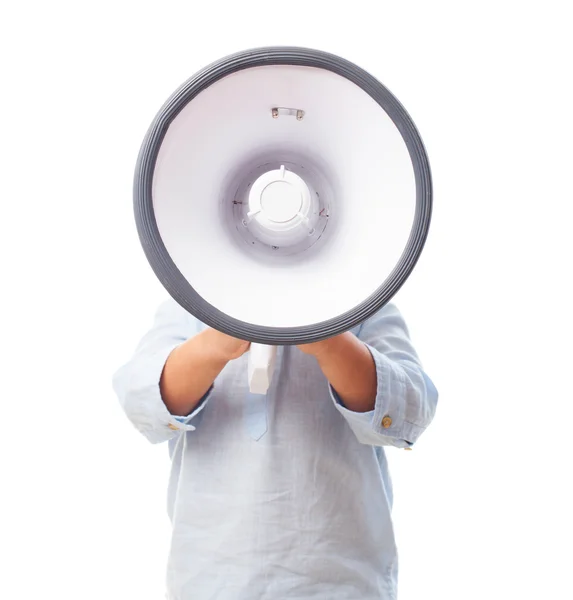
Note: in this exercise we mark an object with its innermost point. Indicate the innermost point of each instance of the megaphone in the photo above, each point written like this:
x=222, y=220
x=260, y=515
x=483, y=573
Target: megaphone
x=282, y=195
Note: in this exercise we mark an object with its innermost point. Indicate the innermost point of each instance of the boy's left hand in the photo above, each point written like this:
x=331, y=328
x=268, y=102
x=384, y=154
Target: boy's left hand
x=318, y=349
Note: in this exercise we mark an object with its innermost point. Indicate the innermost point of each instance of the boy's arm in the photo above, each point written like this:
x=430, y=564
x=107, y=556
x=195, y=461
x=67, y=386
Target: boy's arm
x=386, y=397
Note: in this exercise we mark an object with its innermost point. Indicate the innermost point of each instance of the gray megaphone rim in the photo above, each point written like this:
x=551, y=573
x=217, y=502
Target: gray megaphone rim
x=169, y=275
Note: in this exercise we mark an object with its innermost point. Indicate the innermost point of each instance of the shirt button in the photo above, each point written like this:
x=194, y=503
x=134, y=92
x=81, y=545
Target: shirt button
x=174, y=427
x=386, y=422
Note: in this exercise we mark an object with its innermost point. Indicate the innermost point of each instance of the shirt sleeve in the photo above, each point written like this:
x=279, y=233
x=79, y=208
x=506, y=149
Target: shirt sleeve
x=136, y=383
x=406, y=398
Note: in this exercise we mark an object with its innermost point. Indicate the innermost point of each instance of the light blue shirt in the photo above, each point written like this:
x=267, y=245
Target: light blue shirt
x=283, y=496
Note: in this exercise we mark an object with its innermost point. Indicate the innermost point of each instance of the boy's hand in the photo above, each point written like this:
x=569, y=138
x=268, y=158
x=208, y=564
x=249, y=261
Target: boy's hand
x=317, y=349
x=223, y=347
x=349, y=367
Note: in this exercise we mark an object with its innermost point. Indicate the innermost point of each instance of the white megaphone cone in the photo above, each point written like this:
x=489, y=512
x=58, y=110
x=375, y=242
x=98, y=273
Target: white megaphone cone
x=282, y=196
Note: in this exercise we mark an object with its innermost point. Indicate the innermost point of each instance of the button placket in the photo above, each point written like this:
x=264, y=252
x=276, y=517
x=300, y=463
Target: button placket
x=255, y=415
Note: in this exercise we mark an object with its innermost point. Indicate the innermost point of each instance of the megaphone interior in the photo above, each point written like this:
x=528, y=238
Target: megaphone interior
x=282, y=195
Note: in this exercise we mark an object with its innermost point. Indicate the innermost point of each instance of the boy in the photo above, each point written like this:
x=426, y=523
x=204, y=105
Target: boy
x=285, y=495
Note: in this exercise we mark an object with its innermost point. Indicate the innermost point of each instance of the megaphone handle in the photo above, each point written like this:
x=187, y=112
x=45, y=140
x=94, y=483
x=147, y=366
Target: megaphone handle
x=261, y=367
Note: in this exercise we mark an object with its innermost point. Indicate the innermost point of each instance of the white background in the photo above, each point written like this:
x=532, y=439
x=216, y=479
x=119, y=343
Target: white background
x=483, y=502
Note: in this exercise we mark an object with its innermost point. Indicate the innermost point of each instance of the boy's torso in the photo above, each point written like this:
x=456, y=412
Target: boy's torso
x=276, y=498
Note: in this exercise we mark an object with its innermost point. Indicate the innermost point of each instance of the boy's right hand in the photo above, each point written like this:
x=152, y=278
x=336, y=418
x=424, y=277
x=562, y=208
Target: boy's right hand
x=223, y=347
